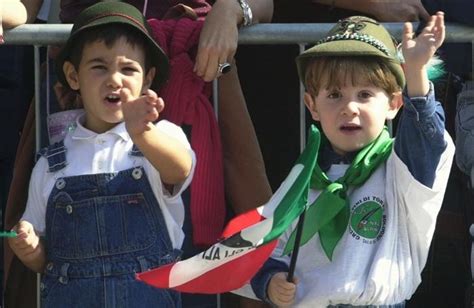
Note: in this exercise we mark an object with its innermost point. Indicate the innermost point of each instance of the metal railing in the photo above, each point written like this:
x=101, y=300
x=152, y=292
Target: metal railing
x=50, y=34
x=262, y=34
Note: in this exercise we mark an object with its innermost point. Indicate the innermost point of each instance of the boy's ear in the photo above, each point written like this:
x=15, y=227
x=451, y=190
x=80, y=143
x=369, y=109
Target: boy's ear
x=311, y=105
x=71, y=75
x=394, y=105
x=150, y=75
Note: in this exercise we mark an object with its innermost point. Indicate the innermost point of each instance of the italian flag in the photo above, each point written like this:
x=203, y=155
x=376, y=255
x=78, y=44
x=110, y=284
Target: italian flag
x=247, y=241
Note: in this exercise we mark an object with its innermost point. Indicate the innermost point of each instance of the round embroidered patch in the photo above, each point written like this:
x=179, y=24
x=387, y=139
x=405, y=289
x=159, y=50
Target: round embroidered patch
x=367, y=220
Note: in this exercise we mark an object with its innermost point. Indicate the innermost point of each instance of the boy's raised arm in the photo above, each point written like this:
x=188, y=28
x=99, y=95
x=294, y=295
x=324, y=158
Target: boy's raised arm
x=168, y=155
x=418, y=51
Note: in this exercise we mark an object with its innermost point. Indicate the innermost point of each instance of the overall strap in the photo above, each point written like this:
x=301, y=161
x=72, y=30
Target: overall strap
x=56, y=156
x=135, y=151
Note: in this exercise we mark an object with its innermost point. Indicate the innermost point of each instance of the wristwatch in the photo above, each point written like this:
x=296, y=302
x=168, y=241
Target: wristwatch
x=247, y=11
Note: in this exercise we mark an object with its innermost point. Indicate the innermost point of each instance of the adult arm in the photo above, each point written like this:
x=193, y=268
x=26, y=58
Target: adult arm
x=32, y=8
x=219, y=35
x=12, y=14
x=384, y=11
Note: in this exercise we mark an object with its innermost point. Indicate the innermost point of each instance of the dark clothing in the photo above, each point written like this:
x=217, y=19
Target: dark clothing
x=155, y=9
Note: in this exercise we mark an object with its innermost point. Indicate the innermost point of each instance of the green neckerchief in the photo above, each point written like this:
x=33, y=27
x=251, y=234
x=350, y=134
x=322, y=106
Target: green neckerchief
x=329, y=213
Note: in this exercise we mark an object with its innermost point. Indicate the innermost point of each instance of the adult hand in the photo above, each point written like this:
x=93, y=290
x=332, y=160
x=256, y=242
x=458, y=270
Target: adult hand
x=280, y=291
x=397, y=11
x=139, y=113
x=418, y=51
x=218, y=40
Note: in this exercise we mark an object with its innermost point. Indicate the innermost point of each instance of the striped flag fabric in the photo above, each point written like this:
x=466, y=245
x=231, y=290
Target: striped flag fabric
x=247, y=241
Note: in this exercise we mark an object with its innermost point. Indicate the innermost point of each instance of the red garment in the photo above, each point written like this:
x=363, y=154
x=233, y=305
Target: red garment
x=69, y=9
x=187, y=102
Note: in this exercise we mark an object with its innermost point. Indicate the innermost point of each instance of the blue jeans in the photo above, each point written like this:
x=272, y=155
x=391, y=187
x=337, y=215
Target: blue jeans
x=101, y=229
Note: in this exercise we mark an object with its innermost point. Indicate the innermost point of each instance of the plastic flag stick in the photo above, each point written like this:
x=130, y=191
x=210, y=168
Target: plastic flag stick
x=8, y=234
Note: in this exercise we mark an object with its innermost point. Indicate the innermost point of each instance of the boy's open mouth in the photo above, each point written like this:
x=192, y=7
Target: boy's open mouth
x=112, y=98
x=350, y=128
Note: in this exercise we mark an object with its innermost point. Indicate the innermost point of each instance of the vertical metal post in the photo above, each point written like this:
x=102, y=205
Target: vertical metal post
x=37, y=61
x=37, y=98
x=302, y=110
x=215, y=97
x=472, y=60
x=215, y=103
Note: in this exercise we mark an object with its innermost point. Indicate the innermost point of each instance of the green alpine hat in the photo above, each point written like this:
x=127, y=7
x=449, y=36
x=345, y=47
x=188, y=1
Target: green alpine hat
x=355, y=36
x=115, y=12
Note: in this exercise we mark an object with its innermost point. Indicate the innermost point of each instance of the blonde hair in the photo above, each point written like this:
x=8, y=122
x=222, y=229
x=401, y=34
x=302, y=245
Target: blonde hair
x=333, y=72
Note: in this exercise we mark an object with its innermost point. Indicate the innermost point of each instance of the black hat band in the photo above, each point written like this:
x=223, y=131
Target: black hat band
x=358, y=37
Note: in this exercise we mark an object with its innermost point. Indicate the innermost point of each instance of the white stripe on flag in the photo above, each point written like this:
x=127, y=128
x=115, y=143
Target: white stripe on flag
x=267, y=209
x=257, y=232
x=185, y=271
x=217, y=255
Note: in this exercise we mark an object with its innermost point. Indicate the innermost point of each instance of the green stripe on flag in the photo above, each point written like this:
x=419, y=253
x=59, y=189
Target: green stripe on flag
x=294, y=202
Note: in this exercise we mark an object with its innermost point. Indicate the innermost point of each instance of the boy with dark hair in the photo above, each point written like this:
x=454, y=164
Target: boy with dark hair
x=107, y=197
x=373, y=200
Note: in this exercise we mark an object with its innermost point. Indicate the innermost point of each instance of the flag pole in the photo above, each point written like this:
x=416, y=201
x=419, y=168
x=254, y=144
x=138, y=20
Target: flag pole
x=296, y=247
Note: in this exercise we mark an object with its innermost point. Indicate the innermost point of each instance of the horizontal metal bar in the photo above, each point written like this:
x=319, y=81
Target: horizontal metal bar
x=309, y=33
x=37, y=34
x=51, y=34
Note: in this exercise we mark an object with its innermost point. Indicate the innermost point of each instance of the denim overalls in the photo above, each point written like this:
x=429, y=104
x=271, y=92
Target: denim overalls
x=100, y=230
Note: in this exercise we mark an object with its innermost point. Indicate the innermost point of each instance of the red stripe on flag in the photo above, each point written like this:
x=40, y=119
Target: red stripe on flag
x=240, y=222
x=159, y=277
x=224, y=278
x=236, y=272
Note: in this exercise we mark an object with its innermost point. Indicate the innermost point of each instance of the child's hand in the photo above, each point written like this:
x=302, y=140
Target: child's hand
x=26, y=244
x=281, y=292
x=418, y=51
x=139, y=113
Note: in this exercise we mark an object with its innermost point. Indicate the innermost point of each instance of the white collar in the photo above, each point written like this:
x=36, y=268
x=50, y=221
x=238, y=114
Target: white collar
x=82, y=133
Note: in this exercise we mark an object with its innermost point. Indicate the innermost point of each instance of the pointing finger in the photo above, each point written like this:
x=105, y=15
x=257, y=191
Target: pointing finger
x=160, y=104
x=151, y=97
x=125, y=95
x=430, y=24
x=407, y=32
x=440, y=30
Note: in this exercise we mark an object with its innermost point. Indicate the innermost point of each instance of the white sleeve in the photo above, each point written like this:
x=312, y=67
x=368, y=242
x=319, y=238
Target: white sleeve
x=177, y=133
x=35, y=211
x=420, y=204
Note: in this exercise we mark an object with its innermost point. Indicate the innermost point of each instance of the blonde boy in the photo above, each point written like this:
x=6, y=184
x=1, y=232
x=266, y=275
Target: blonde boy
x=369, y=243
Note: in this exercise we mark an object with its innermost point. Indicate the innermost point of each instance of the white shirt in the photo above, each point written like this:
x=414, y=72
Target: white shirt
x=92, y=153
x=380, y=258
